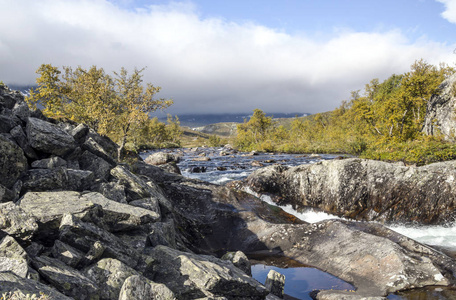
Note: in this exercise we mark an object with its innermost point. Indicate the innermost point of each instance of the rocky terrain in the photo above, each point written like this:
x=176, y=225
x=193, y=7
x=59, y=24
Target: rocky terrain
x=76, y=224
x=364, y=189
x=441, y=113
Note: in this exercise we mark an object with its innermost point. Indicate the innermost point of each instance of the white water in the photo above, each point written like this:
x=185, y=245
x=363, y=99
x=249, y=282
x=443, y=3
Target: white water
x=442, y=236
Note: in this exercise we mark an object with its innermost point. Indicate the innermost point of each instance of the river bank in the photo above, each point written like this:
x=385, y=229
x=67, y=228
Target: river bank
x=220, y=169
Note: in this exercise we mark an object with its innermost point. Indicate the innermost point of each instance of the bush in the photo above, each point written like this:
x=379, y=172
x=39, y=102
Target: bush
x=426, y=150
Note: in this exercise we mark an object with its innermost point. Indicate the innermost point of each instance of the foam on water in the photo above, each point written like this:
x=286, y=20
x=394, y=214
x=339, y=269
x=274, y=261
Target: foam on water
x=443, y=236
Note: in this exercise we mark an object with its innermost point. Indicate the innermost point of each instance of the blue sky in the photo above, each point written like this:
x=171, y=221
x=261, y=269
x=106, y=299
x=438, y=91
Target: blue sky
x=321, y=18
x=231, y=56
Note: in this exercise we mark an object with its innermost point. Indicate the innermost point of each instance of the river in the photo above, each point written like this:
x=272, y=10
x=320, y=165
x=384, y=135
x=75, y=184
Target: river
x=216, y=165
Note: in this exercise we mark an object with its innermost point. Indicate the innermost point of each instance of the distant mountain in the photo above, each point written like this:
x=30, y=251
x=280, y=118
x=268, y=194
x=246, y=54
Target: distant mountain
x=198, y=120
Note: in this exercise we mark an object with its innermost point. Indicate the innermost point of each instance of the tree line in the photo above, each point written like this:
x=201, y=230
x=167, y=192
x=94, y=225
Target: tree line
x=382, y=121
x=117, y=106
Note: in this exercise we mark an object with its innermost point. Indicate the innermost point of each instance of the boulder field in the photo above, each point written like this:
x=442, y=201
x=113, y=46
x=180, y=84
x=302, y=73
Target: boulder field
x=76, y=224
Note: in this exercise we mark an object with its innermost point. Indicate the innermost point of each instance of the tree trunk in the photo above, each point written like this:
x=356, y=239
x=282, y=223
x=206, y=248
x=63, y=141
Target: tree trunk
x=121, y=147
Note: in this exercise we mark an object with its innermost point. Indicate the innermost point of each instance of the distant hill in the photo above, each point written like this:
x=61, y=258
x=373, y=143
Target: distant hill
x=200, y=120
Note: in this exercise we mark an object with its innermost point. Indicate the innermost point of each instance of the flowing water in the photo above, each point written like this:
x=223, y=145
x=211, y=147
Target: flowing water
x=221, y=168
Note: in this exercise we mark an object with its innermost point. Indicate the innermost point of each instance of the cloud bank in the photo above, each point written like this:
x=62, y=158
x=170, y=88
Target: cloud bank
x=206, y=64
x=450, y=10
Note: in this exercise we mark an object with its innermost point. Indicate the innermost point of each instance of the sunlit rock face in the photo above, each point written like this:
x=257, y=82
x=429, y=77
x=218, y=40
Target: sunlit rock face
x=441, y=111
x=364, y=189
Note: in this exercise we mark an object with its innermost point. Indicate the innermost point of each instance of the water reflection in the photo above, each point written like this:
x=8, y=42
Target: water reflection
x=300, y=280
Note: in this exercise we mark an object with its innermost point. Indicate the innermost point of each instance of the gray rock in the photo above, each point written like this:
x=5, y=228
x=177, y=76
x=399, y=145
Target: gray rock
x=21, y=110
x=6, y=195
x=49, y=138
x=19, y=136
x=136, y=187
x=163, y=233
x=192, y=276
x=137, y=287
x=57, y=179
x=21, y=287
x=345, y=295
x=67, y=254
x=110, y=274
x=170, y=167
x=440, y=113
x=376, y=260
x=13, y=258
x=147, y=203
x=364, y=189
x=215, y=217
x=49, y=207
x=8, y=122
x=119, y=216
x=161, y=158
x=65, y=279
x=83, y=236
x=92, y=146
x=49, y=163
x=154, y=173
x=275, y=283
x=112, y=191
x=35, y=249
x=13, y=162
x=240, y=260
x=99, y=166
x=104, y=142
x=16, y=222
x=80, y=132
x=8, y=98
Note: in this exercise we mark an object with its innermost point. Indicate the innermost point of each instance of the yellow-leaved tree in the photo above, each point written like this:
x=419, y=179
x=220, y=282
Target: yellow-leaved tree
x=110, y=105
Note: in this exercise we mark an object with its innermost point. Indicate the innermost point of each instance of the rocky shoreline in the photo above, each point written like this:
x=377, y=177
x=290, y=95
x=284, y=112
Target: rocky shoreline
x=76, y=224
x=364, y=189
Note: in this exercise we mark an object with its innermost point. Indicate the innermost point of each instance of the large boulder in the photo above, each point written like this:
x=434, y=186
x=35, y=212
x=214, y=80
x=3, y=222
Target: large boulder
x=99, y=166
x=49, y=138
x=19, y=136
x=16, y=222
x=60, y=178
x=13, y=162
x=364, y=189
x=441, y=111
x=49, y=163
x=161, y=158
x=67, y=280
x=70, y=256
x=137, y=188
x=137, y=287
x=87, y=237
x=22, y=288
x=13, y=258
x=49, y=208
x=110, y=274
x=192, y=276
x=376, y=260
x=122, y=217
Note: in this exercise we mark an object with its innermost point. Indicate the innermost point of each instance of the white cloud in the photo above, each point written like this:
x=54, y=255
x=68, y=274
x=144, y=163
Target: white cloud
x=204, y=64
x=450, y=10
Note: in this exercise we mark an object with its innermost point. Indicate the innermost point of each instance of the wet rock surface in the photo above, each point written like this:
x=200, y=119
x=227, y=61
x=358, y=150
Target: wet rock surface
x=364, y=189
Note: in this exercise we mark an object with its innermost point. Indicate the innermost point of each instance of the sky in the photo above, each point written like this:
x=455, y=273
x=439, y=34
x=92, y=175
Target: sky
x=231, y=56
